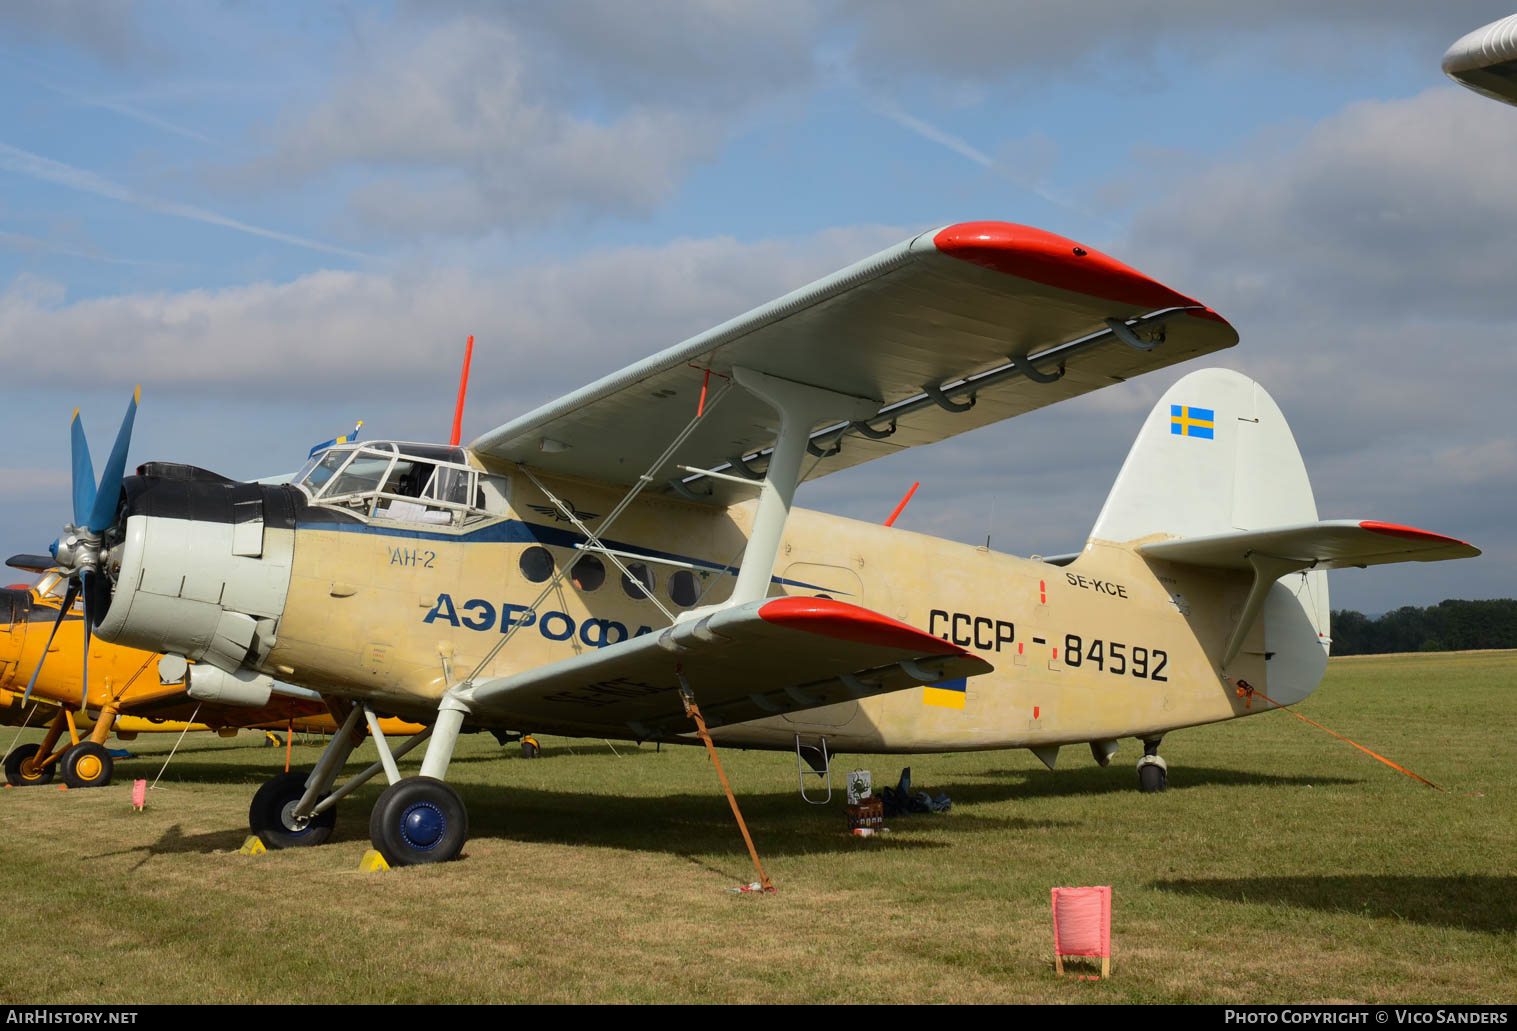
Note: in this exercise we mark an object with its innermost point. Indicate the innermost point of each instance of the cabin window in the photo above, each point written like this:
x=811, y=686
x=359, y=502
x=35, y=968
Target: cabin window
x=684, y=588
x=641, y=577
x=589, y=573
x=536, y=564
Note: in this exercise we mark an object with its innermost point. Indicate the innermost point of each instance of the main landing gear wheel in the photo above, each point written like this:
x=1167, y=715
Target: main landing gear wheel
x=87, y=765
x=1153, y=772
x=419, y=820
x=20, y=774
x=271, y=816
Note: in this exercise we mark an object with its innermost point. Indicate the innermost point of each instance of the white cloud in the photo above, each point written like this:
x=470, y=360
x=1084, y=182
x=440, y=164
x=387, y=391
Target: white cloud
x=540, y=330
x=458, y=140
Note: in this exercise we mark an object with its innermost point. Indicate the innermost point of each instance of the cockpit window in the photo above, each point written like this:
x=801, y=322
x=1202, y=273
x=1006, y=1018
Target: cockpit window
x=409, y=483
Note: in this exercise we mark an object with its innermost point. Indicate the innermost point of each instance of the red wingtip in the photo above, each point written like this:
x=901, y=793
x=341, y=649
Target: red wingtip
x=1409, y=532
x=852, y=623
x=1056, y=261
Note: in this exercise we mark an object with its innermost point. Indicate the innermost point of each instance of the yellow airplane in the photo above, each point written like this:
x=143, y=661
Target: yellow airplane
x=126, y=696
x=627, y=558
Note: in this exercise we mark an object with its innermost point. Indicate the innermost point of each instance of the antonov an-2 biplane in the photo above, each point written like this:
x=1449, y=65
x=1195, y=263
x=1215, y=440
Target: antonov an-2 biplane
x=596, y=566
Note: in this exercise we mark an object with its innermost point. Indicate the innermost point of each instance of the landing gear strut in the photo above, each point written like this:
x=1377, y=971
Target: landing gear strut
x=1153, y=772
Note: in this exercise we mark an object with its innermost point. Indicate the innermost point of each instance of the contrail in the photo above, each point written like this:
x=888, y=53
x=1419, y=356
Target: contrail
x=979, y=157
x=32, y=243
x=14, y=159
x=122, y=108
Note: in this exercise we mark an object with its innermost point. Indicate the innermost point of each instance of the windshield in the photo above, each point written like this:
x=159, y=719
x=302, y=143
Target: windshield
x=413, y=483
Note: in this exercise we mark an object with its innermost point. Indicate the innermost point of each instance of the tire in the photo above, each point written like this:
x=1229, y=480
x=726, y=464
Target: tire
x=268, y=816
x=13, y=772
x=530, y=749
x=87, y=765
x=419, y=820
x=1152, y=778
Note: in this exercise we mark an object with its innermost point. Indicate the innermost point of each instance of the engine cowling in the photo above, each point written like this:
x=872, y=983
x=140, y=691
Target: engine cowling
x=203, y=568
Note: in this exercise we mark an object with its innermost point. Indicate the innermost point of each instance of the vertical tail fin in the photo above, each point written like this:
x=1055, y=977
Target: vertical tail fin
x=1215, y=456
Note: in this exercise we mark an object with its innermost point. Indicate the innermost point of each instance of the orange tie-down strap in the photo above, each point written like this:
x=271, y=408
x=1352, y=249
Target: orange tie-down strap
x=1247, y=690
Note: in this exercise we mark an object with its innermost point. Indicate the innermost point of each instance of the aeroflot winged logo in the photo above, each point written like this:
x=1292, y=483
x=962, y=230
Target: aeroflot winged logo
x=558, y=516
x=1190, y=421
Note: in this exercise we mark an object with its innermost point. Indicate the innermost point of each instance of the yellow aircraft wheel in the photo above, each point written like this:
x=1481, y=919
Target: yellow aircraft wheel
x=22, y=775
x=87, y=765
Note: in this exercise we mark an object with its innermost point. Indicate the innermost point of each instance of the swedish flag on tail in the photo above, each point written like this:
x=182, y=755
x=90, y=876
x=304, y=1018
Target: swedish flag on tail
x=1190, y=421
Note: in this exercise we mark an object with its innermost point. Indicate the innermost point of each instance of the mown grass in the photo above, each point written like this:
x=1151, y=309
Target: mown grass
x=1281, y=866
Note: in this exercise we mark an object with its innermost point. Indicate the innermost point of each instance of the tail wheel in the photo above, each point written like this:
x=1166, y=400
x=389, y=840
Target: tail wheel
x=1152, y=778
x=87, y=765
x=530, y=749
x=272, y=814
x=419, y=820
x=19, y=773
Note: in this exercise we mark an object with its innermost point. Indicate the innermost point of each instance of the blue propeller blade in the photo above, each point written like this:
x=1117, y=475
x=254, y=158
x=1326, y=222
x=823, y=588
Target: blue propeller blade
x=84, y=472
x=103, y=509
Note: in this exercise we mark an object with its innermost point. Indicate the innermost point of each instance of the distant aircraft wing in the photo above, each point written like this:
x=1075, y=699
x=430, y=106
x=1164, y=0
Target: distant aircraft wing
x=760, y=659
x=1005, y=317
x=1332, y=544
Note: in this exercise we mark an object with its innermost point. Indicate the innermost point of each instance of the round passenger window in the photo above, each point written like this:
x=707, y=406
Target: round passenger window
x=684, y=588
x=641, y=574
x=536, y=564
x=589, y=573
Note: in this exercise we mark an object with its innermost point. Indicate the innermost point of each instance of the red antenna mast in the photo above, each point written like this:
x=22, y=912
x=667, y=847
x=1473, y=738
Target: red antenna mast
x=902, y=506
x=463, y=389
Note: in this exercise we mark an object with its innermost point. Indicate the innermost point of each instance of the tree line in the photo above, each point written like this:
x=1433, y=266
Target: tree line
x=1448, y=626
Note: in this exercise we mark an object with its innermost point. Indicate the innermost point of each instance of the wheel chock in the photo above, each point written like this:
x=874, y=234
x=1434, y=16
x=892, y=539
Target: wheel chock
x=372, y=862
x=254, y=846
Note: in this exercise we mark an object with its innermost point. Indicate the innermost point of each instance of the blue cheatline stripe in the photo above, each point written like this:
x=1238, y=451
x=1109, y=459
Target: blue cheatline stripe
x=515, y=531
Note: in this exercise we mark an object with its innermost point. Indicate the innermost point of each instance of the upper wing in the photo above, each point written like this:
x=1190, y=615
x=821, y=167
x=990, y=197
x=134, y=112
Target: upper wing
x=1003, y=316
x=760, y=659
x=1332, y=544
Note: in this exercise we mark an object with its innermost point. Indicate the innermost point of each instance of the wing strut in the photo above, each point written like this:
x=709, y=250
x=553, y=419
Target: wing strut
x=800, y=407
x=694, y=712
x=592, y=540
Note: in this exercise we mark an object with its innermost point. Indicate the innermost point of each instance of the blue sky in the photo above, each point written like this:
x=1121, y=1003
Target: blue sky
x=282, y=217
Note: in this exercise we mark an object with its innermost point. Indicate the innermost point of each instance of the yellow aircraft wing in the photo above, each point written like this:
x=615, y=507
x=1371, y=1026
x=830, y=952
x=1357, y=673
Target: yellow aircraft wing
x=742, y=663
x=948, y=331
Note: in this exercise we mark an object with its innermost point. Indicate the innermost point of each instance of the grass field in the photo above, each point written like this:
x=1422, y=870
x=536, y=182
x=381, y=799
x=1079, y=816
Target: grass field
x=1281, y=866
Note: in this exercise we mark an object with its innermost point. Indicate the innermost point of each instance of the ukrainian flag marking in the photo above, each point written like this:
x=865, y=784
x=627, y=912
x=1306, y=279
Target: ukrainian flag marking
x=1190, y=421
x=947, y=694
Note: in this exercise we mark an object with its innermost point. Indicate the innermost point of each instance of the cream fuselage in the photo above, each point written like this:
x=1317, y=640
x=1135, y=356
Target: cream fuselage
x=1109, y=646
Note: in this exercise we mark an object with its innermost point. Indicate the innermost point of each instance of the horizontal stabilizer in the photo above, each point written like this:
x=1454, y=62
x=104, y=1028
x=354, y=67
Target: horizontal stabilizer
x=761, y=659
x=1331, y=544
